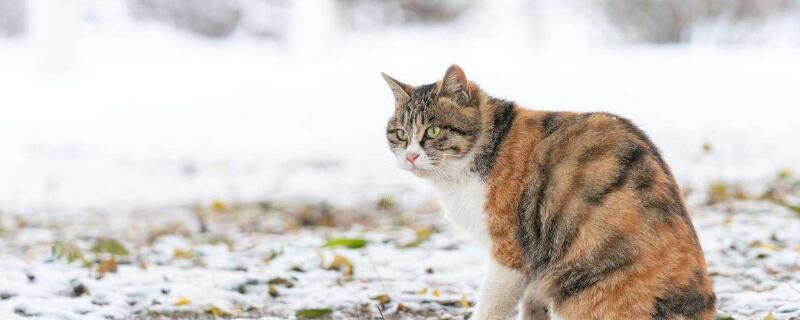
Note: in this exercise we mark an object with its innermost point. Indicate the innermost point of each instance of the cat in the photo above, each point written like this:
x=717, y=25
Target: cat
x=580, y=214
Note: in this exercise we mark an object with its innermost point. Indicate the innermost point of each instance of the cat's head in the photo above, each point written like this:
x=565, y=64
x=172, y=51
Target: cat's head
x=435, y=127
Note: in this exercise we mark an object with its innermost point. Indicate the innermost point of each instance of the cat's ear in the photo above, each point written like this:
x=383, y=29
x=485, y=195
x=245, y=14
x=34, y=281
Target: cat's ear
x=400, y=90
x=454, y=83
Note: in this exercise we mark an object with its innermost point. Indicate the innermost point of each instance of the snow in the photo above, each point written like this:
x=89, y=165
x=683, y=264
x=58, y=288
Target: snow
x=753, y=261
x=115, y=128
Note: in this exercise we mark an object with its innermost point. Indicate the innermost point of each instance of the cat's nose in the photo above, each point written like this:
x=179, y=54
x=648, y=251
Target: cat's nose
x=412, y=156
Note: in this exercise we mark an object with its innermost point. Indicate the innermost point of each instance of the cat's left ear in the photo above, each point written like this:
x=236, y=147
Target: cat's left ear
x=454, y=84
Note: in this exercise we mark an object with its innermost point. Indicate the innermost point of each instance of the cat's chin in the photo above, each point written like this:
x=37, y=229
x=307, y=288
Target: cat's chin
x=422, y=173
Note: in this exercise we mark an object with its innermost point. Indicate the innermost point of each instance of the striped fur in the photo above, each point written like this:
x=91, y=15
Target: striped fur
x=581, y=204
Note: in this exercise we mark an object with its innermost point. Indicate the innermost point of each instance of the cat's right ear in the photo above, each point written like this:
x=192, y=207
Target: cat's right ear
x=400, y=90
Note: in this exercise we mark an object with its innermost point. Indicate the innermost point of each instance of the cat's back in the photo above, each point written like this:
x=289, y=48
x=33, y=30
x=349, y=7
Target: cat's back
x=585, y=202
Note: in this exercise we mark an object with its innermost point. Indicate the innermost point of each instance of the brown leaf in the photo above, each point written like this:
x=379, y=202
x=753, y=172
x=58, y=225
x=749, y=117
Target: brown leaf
x=106, y=266
x=381, y=298
x=273, y=291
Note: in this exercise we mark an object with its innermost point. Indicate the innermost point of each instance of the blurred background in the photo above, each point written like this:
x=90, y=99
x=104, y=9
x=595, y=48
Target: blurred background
x=159, y=102
x=176, y=125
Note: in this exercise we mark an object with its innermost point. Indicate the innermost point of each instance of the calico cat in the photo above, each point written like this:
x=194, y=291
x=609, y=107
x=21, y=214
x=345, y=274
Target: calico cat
x=581, y=216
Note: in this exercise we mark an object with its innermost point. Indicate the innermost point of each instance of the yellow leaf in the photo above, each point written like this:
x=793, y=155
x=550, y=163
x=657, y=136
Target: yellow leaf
x=718, y=192
x=182, y=254
x=464, y=302
x=219, y=206
x=218, y=313
x=424, y=233
x=797, y=248
x=769, y=316
x=436, y=293
x=342, y=264
x=182, y=301
x=423, y=291
x=381, y=298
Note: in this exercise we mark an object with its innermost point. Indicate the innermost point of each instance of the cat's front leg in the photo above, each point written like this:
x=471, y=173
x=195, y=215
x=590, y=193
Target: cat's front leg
x=500, y=292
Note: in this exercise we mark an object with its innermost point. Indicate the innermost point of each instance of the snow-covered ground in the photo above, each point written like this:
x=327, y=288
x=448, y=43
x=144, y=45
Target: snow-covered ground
x=263, y=260
x=136, y=132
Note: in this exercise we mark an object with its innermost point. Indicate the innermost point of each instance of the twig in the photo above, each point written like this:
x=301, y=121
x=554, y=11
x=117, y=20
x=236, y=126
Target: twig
x=380, y=311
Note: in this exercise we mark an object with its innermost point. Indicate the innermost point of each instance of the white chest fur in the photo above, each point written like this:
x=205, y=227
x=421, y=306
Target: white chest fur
x=464, y=201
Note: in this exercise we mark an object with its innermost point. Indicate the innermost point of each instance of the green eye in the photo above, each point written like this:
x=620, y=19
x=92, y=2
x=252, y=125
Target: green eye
x=433, y=132
x=401, y=134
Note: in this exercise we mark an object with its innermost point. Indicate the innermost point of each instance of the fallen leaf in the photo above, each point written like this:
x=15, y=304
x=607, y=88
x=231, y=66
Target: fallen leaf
x=381, y=298
x=350, y=243
x=313, y=313
x=182, y=254
x=106, y=266
x=110, y=246
x=217, y=312
x=436, y=293
x=342, y=264
x=272, y=255
x=281, y=281
x=70, y=252
x=706, y=147
x=717, y=192
x=386, y=202
x=423, y=234
x=464, y=302
x=219, y=206
x=769, y=316
x=182, y=301
x=423, y=291
x=273, y=291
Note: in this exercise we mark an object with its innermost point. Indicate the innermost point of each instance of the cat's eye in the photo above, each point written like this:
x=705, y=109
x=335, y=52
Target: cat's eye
x=433, y=132
x=401, y=134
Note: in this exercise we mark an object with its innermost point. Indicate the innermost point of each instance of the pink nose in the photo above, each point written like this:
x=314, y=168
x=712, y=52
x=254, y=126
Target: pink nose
x=412, y=156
